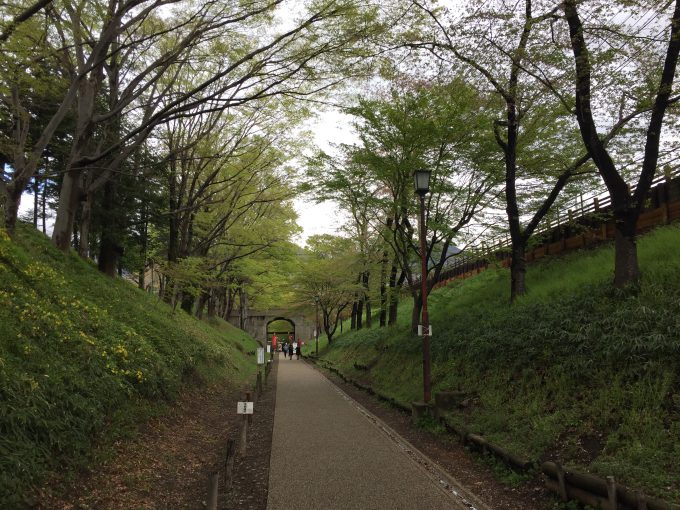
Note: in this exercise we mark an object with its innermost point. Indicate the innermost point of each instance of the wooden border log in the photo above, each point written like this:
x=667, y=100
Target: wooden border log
x=580, y=495
x=509, y=458
x=590, y=483
x=598, y=488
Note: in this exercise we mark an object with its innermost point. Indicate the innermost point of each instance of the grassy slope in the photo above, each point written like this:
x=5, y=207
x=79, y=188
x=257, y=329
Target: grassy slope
x=575, y=371
x=83, y=358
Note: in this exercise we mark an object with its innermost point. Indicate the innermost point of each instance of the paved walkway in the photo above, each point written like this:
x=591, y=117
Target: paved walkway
x=330, y=453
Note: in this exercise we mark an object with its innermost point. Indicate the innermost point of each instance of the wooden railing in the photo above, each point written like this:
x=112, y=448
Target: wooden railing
x=585, y=223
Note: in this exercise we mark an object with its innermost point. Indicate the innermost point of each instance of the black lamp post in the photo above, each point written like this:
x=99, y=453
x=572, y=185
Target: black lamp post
x=316, y=326
x=422, y=183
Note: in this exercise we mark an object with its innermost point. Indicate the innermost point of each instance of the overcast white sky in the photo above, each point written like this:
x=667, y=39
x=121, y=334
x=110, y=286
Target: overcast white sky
x=329, y=127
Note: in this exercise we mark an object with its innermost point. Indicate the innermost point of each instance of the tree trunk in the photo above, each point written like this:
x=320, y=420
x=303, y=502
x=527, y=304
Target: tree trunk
x=188, y=302
x=353, y=321
x=383, y=289
x=327, y=328
x=13, y=200
x=626, y=268
x=518, y=269
x=66, y=210
x=145, y=244
x=394, y=295
x=360, y=313
x=85, y=224
x=367, y=299
x=43, y=200
x=36, y=191
x=243, y=306
x=200, y=303
x=109, y=248
x=212, y=304
x=230, y=304
x=141, y=277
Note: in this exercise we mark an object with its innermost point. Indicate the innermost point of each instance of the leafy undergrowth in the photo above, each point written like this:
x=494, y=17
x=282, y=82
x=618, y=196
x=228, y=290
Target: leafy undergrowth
x=84, y=359
x=574, y=372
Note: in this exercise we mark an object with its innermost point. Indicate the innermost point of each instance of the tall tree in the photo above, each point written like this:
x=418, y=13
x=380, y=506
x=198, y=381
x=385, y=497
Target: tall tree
x=657, y=97
x=328, y=274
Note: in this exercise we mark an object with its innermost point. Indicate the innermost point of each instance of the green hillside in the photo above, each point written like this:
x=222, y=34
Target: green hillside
x=84, y=358
x=575, y=372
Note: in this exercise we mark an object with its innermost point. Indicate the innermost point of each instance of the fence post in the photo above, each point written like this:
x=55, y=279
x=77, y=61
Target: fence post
x=596, y=203
x=213, y=485
x=244, y=436
x=611, y=492
x=248, y=399
x=229, y=464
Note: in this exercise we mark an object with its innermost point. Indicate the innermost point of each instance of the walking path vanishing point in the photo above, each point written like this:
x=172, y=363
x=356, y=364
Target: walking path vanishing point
x=329, y=453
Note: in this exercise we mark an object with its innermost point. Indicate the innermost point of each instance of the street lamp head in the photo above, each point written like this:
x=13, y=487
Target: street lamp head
x=421, y=179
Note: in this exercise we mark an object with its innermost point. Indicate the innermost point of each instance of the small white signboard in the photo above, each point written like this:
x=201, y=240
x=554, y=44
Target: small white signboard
x=269, y=348
x=420, y=330
x=260, y=355
x=244, y=408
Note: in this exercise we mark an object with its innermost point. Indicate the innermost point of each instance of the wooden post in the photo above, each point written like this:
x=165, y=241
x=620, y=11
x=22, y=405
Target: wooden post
x=562, y=483
x=250, y=416
x=611, y=492
x=244, y=436
x=596, y=203
x=213, y=484
x=259, y=383
x=229, y=464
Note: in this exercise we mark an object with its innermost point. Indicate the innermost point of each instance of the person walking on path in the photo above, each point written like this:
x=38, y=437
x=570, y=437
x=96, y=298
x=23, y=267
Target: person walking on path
x=297, y=350
x=285, y=349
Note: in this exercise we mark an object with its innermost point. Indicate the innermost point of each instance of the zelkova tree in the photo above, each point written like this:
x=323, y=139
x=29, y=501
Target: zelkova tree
x=539, y=148
x=166, y=74
x=88, y=30
x=350, y=184
x=426, y=126
x=649, y=66
x=122, y=60
x=515, y=50
x=227, y=192
x=328, y=274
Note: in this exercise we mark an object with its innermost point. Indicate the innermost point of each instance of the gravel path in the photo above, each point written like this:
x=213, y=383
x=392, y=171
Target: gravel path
x=328, y=452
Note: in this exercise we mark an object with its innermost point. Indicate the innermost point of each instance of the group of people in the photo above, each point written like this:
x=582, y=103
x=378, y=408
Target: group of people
x=290, y=349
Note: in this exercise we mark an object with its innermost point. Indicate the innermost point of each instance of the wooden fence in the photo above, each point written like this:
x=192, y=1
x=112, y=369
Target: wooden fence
x=602, y=493
x=586, y=224
x=236, y=447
